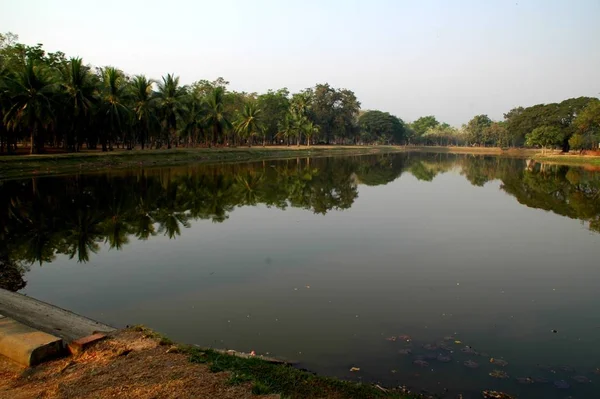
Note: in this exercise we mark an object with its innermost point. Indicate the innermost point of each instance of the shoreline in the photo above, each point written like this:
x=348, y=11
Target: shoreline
x=119, y=351
x=23, y=166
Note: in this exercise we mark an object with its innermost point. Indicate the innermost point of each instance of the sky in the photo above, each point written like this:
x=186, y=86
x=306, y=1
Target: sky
x=452, y=59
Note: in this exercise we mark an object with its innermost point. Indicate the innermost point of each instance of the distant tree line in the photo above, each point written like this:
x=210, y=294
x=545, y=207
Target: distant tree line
x=571, y=124
x=50, y=101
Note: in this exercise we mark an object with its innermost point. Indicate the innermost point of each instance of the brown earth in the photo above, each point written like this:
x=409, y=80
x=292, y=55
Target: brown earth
x=126, y=365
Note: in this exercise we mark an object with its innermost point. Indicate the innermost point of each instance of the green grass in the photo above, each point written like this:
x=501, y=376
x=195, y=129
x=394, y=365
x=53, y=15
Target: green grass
x=42, y=165
x=267, y=378
x=569, y=159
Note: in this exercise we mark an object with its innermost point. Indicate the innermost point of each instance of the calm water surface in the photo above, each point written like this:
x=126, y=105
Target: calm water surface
x=323, y=260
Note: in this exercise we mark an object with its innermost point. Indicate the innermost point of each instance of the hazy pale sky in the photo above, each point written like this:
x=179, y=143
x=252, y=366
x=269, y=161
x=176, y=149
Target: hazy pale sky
x=452, y=59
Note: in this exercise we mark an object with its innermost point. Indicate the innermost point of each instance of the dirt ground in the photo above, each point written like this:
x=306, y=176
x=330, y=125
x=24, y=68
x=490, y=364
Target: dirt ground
x=127, y=365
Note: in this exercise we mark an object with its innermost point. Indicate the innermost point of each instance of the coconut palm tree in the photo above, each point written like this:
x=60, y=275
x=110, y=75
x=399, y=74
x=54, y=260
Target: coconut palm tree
x=31, y=92
x=144, y=103
x=249, y=123
x=170, y=97
x=193, y=120
x=216, y=118
x=80, y=97
x=113, y=109
x=310, y=130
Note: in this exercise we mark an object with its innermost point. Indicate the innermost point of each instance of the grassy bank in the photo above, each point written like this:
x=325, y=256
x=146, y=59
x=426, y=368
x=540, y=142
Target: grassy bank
x=571, y=159
x=268, y=377
x=42, y=165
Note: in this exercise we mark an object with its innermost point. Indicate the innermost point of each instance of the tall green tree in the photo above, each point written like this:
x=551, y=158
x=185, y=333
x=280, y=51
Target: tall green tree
x=144, y=107
x=31, y=92
x=170, y=97
x=249, y=124
x=81, y=95
x=114, y=112
x=216, y=119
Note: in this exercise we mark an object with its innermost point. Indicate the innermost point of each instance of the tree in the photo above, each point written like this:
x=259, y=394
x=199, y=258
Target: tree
x=378, y=126
x=477, y=128
x=215, y=114
x=170, y=97
x=31, y=93
x=587, y=124
x=310, y=130
x=113, y=109
x=274, y=105
x=248, y=124
x=421, y=125
x=545, y=136
x=80, y=99
x=144, y=103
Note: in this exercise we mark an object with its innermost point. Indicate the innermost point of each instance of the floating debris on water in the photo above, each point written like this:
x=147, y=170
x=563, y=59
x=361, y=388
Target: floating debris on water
x=430, y=347
x=499, y=362
x=484, y=354
x=567, y=369
x=404, y=351
x=468, y=350
x=429, y=356
x=471, y=364
x=562, y=384
x=457, y=342
x=353, y=369
x=541, y=380
x=406, y=338
x=391, y=339
x=582, y=379
x=444, y=359
x=499, y=374
x=525, y=380
x=420, y=363
x=496, y=395
x=597, y=371
x=448, y=338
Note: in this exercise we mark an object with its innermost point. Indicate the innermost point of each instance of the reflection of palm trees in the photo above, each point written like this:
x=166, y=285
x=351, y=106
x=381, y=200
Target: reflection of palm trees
x=250, y=188
x=74, y=215
x=83, y=231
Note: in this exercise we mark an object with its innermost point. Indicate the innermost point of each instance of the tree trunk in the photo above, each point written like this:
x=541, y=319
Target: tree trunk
x=33, y=149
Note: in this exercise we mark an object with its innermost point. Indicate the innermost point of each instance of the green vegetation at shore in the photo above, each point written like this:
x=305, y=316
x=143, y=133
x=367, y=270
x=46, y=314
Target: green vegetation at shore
x=268, y=377
x=576, y=160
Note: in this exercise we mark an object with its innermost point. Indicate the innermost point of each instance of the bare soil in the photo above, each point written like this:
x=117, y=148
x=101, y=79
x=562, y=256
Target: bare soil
x=126, y=365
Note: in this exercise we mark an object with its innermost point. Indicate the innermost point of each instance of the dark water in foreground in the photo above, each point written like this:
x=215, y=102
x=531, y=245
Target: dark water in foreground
x=321, y=260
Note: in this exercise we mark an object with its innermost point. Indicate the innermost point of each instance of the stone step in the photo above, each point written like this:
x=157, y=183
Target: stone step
x=25, y=345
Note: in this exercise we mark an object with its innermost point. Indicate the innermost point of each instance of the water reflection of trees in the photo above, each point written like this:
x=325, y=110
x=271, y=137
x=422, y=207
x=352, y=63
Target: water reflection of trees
x=44, y=217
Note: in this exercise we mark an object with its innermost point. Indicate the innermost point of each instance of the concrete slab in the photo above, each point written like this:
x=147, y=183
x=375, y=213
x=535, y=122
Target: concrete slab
x=48, y=318
x=26, y=345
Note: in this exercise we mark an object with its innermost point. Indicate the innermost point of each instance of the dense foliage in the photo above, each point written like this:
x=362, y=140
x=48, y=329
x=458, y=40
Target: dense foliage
x=50, y=101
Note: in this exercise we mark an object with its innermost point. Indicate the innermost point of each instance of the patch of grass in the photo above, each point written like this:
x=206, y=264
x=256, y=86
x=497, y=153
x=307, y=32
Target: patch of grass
x=238, y=379
x=286, y=380
x=579, y=160
x=162, y=339
x=261, y=389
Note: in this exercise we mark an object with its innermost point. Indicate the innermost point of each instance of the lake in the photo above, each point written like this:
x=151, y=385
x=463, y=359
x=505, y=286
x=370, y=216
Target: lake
x=328, y=261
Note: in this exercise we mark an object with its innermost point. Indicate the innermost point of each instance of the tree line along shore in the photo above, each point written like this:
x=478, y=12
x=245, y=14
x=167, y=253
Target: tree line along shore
x=51, y=103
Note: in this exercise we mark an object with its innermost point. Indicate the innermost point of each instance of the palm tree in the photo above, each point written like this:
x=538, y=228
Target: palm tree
x=31, y=93
x=249, y=124
x=170, y=101
x=113, y=110
x=80, y=95
x=215, y=114
x=143, y=106
x=193, y=120
x=310, y=130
